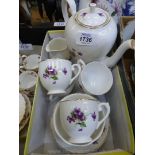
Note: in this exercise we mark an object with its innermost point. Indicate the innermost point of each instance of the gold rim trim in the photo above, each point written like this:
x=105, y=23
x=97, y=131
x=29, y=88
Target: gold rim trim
x=108, y=19
x=79, y=100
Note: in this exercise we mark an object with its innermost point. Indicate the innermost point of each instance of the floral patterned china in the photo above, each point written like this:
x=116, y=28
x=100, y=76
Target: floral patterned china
x=80, y=118
x=22, y=107
x=98, y=137
x=31, y=62
x=113, y=7
x=21, y=59
x=128, y=8
x=62, y=134
x=56, y=75
x=91, y=33
x=24, y=110
x=27, y=80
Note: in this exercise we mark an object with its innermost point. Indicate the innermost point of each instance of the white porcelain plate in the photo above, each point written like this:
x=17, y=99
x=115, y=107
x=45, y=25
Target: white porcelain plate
x=22, y=107
x=26, y=113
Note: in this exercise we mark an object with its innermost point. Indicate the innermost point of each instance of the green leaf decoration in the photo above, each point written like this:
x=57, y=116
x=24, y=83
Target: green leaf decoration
x=82, y=124
x=113, y=14
x=54, y=77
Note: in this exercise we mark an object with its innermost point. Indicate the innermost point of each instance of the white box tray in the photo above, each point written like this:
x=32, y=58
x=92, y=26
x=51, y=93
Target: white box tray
x=40, y=141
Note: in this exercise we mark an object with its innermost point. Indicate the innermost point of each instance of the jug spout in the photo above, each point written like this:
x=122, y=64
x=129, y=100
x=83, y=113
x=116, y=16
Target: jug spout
x=112, y=61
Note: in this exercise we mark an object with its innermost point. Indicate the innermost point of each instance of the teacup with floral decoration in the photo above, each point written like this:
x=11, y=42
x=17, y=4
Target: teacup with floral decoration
x=80, y=118
x=56, y=75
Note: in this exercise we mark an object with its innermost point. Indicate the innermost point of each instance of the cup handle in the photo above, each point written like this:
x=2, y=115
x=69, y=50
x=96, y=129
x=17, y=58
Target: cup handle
x=77, y=74
x=24, y=56
x=106, y=105
x=81, y=63
x=72, y=6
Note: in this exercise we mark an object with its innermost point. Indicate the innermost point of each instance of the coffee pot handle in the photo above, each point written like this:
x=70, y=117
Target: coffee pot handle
x=100, y=108
x=72, y=6
x=74, y=66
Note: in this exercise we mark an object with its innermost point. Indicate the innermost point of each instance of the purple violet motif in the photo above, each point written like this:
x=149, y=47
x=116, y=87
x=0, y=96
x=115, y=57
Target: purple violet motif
x=95, y=142
x=64, y=71
x=93, y=116
x=78, y=117
x=70, y=119
x=117, y=9
x=100, y=14
x=83, y=14
x=52, y=73
x=45, y=76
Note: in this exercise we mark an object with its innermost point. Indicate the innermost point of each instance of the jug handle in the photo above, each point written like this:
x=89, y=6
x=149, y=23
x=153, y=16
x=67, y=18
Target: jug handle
x=81, y=63
x=72, y=6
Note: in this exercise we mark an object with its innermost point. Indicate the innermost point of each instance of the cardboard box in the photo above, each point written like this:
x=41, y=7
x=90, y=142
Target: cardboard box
x=40, y=141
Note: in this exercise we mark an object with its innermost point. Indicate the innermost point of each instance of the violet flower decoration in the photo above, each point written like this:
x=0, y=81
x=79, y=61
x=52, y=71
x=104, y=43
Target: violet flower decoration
x=45, y=76
x=117, y=8
x=70, y=119
x=64, y=71
x=100, y=14
x=78, y=117
x=93, y=116
x=51, y=70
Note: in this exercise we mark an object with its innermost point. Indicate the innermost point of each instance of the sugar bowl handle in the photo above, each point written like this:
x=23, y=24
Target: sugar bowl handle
x=81, y=63
x=100, y=108
x=74, y=66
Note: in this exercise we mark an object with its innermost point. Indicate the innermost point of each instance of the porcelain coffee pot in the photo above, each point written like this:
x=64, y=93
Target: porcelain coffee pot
x=91, y=33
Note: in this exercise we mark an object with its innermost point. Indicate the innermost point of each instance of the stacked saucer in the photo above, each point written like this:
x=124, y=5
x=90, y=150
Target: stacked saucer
x=24, y=110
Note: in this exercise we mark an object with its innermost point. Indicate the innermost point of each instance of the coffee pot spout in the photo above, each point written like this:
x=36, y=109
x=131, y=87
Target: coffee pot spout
x=112, y=61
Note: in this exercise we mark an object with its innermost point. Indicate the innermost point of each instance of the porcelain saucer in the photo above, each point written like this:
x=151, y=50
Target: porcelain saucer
x=61, y=137
x=27, y=80
x=27, y=112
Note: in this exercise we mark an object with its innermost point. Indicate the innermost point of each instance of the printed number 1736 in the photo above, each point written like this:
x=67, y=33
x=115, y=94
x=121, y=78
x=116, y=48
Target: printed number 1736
x=85, y=39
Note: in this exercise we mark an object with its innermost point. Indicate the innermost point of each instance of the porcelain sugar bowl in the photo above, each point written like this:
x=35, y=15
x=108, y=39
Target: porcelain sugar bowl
x=90, y=33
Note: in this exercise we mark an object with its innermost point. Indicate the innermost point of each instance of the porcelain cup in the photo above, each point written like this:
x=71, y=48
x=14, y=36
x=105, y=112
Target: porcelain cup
x=57, y=48
x=80, y=118
x=31, y=62
x=56, y=75
x=95, y=78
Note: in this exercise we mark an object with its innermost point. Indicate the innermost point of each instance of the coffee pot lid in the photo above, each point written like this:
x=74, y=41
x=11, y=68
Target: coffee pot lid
x=92, y=17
